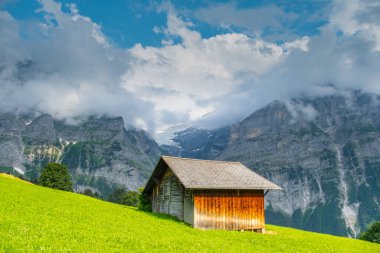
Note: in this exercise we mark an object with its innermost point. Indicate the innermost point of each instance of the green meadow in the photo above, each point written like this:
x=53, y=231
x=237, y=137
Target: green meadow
x=37, y=219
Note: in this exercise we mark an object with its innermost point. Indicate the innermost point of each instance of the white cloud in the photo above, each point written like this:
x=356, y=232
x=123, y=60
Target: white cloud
x=10, y=43
x=67, y=67
x=358, y=18
x=189, y=77
x=300, y=111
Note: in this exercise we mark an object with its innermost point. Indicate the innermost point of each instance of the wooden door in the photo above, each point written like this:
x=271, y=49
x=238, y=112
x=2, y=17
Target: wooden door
x=188, y=210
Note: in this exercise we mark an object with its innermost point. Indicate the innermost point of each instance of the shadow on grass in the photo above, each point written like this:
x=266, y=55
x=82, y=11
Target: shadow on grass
x=165, y=217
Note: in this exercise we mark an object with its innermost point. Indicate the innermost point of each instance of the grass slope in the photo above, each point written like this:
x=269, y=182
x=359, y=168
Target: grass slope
x=34, y=218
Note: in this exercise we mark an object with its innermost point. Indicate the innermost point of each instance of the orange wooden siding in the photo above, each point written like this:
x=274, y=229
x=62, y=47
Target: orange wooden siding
x=229, y=209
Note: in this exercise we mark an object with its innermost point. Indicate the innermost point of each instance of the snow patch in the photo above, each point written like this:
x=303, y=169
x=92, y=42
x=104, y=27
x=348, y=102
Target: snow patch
x=349, y=212
x=321, y=193
x=65, y=143
x=20, y=171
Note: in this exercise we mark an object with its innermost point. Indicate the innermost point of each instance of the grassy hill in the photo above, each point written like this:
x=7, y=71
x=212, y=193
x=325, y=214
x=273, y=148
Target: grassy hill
x=34, y=218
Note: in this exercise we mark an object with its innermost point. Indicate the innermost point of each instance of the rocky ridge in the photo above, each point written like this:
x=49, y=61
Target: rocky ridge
x=99, y=152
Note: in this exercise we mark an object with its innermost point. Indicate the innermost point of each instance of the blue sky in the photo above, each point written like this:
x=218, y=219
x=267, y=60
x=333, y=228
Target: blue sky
x=167, y=65
x=127, y=22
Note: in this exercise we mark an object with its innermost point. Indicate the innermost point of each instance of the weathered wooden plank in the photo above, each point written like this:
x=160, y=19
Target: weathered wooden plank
x=188, y=207
x=168, y=197
x=229, y=209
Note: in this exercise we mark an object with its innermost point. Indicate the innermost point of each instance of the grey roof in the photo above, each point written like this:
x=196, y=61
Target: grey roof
x=208, y=174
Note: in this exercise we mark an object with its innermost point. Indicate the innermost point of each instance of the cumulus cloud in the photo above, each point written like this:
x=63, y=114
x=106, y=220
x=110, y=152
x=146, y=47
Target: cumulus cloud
x=195, y=76
x=64, y=65
x=359, y=19
x=343, y=56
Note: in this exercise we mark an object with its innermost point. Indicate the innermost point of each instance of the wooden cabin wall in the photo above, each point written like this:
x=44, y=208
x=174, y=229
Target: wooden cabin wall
x=167, y=196
x=229, y=209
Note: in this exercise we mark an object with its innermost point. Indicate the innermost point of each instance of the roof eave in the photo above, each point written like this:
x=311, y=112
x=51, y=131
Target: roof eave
x=232, y=188
x=151, y=176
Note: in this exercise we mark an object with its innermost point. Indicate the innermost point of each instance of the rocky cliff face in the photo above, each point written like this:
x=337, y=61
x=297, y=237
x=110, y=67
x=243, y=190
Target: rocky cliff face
x=198, y=143
x=324, y=152
x=99, y=152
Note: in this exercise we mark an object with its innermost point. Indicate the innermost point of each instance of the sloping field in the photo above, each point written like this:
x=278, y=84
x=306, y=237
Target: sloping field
x=34, y=218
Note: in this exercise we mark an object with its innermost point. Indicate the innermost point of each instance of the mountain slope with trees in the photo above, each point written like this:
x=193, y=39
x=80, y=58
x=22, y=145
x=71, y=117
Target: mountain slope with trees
x=99, y=152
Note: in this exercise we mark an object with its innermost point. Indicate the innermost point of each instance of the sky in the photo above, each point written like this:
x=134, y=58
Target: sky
x=167, y=65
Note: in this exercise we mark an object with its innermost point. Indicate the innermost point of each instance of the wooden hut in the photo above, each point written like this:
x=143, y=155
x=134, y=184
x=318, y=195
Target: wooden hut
x=209, y=194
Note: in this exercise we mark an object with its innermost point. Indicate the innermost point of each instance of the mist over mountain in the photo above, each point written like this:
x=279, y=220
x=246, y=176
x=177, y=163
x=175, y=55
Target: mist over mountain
x=61, y=61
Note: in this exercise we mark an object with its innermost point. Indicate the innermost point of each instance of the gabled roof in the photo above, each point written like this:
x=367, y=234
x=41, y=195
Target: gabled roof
x=208, y=174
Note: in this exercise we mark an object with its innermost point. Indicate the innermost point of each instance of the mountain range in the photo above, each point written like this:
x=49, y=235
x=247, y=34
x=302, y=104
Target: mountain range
x=323, y=152
x=100, y=152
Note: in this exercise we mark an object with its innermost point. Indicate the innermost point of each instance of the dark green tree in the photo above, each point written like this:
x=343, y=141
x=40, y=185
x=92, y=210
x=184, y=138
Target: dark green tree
x=124, y=197
x=372, y=234
x=131, y=198
x=56, y=176
x=89, y=192
x=144, y=203
x=117, y=196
